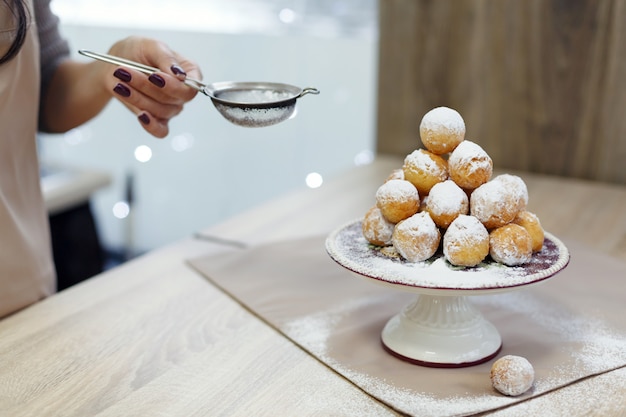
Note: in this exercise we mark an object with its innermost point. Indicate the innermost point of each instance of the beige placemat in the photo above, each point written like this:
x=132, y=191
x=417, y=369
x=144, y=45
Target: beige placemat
x=569, y=327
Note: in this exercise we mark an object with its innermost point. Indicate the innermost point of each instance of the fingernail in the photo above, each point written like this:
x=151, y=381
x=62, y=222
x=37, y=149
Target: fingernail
x=122, y=90
x=144, y=118
x=122, y=74
x=177, y=70
x=157, y=80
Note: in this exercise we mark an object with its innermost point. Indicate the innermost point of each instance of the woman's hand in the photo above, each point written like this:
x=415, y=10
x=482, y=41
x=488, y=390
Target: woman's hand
x=71, y=98
x=155, y=98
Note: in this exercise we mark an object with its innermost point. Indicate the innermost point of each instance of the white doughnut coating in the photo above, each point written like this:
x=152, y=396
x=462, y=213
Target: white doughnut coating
x=446, y=202
x=517, y=186
x=416, y=238
x=424, y=169
x=512, y=375
x=495, y=203
x=376, y=229
x=469, y=165
x=510, y=245
x=397, y=200
x=441, y=130
x=531, y=223
x=466, y=242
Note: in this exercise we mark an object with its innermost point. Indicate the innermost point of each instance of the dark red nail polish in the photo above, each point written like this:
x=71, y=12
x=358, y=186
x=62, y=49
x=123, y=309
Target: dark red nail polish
x=122, y=74
x=177, y=70
x=143, y=118
x=157, y=80
x=122, y=90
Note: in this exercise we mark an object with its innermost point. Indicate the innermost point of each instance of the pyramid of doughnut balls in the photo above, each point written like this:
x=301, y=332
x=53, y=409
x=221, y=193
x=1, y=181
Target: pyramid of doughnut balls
x=444, y=197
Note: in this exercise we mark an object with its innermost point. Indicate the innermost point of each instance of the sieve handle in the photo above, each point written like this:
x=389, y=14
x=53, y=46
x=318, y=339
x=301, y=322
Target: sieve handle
x=308, y=90
x=146, y=69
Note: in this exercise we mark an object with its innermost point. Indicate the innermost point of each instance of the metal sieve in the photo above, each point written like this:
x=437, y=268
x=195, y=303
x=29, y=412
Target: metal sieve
x=248, y=104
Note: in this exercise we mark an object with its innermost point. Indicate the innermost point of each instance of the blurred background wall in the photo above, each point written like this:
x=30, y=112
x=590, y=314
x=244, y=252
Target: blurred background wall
x=540, y=83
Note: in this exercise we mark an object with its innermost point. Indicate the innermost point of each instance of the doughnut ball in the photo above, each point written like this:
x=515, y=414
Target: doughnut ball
x=376, y=229
x=441, y=130
x=531, y=223
x=512, y=375
x=517, y=187
x=510, y=245
x=397, y=200
x=445, y=202
x=469, y=165
x=466, y=241
x=416, y=238
x=495, y=204
x=424, y=169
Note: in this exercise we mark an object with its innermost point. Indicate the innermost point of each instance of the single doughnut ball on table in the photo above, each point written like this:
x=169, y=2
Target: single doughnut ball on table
x=495, y=204
x=517, y=187
x=510, y=245
x=512, y=375
x=531, y=223
x=441, y=130
x=469, y=165
x=466, y=241
x=376, y=229
x=424, y=169
x=446, y=201
x=416, y=238
x=397, y=200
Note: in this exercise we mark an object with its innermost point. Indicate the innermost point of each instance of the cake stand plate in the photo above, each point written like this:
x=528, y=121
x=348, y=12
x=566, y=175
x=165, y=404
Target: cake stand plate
x=440, y=327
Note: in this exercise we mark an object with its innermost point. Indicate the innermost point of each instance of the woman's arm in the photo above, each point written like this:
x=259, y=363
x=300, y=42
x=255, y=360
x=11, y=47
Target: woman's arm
x=73, y=92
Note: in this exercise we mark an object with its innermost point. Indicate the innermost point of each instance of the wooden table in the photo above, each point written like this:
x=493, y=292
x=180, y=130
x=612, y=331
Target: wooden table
x=153, y=337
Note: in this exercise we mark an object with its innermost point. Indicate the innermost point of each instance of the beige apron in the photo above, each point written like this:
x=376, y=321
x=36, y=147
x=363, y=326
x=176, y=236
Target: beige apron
x=26, y=267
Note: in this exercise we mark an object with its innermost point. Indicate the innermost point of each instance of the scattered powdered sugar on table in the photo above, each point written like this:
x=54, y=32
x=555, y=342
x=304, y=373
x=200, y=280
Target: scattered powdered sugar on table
x=588, y=397
x=601, y=347
x=314, y=330
x=313, y=333
x=596, y=349
x=348, y=247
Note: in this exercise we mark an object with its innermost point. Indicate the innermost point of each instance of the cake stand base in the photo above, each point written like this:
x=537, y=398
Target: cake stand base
x=441, y=331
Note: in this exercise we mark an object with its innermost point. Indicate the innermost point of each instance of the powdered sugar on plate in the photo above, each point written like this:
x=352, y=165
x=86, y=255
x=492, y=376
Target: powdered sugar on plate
x=348, y=247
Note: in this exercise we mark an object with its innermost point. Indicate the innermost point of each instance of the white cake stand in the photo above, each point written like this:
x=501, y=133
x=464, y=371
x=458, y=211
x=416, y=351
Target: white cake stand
x=441, y=327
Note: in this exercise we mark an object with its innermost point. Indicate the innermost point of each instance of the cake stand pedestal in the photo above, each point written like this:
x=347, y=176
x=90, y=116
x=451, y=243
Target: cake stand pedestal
x=441, y=327
x=441, y=331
